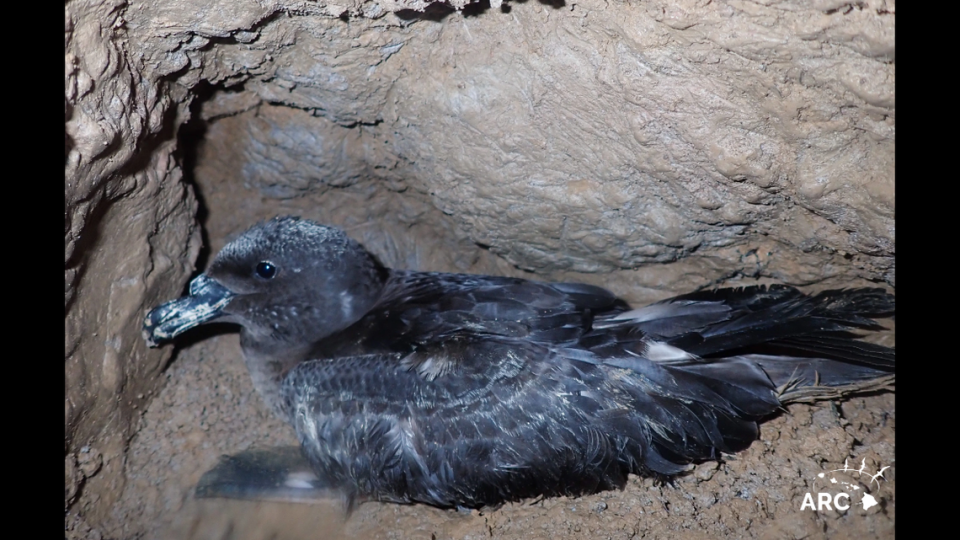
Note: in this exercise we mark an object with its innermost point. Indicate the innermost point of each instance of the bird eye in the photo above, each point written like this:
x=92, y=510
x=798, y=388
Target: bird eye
x=266, y=270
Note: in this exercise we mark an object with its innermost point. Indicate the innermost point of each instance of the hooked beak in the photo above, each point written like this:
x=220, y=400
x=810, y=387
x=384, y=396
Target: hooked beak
x=205, y=303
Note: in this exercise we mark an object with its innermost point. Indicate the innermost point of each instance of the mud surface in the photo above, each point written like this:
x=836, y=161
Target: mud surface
x=208, y=407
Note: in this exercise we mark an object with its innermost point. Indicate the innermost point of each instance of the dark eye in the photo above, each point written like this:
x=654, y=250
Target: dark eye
x=266, y=270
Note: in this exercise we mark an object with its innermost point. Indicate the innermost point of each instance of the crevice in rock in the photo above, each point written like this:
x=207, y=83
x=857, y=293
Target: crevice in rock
x=651, y=148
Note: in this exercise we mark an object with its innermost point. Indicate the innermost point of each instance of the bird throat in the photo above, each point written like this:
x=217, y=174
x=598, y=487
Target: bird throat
x=267, y=372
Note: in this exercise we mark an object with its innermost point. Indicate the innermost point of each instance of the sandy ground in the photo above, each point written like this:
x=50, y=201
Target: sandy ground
x=208, y=408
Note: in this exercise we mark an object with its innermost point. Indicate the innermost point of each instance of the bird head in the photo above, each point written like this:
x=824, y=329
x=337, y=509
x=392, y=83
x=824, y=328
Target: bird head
x=287, y=281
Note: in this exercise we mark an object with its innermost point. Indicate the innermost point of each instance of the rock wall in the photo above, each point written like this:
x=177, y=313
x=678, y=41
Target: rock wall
x=649, y=146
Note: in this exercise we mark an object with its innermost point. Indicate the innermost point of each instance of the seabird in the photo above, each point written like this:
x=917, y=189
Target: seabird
x=466, y=391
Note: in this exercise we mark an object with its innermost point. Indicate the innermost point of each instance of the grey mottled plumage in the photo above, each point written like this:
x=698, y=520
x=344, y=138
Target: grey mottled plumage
x=464, y=391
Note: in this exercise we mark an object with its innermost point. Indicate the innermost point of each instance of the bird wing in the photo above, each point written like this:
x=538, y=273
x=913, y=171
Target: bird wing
x=517, y=419
x=420, y=310
x=796, y=337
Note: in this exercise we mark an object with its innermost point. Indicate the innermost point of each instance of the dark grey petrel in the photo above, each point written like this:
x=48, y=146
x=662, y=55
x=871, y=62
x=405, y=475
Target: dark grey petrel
x=466, y=391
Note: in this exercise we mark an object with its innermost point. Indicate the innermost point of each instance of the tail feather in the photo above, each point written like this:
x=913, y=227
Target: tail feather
x=859, y=305
x=743, y=336
x=754, y=298
x=804, y=344
x=793, y=372
x=841, y=348
x=795, y=324
x=752, y=350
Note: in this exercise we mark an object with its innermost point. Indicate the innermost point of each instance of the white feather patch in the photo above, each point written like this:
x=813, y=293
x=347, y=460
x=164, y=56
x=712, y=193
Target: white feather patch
x=644, y=314
x=661, y=352
x=655, y=312
x=300, y=480
x=429, y=368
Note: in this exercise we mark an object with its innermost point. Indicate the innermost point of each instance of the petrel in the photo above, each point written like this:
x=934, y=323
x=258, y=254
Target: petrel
x=467, y=391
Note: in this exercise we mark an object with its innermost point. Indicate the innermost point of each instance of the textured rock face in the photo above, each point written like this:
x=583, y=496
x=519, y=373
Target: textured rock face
x=651, y=147
x=591, y=137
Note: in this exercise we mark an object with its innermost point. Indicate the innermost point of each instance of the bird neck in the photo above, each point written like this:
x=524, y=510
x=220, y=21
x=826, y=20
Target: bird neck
x=267, y=370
